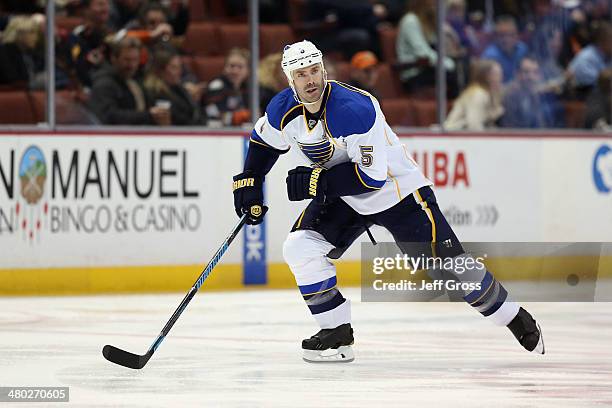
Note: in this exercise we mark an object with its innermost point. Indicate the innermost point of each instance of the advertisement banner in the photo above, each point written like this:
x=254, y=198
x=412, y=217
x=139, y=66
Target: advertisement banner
x=164, y=201
x=95, y=201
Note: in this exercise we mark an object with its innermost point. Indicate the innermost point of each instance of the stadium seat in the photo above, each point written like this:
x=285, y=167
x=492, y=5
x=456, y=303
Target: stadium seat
x=206, y=68
x=196, y=10
x=187, y=62
x=398, y=112
x=233, y=35
x=424, y=112
x=68, y=23
x=68, y=110
x=201, y=39
x=388, y=37
x=16, y=108
x=343, y=71
x=388, y=85
x=575, y=114
x=274, y=37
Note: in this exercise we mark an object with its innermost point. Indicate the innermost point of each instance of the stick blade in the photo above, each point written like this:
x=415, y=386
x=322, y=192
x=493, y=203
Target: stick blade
x=124, y=358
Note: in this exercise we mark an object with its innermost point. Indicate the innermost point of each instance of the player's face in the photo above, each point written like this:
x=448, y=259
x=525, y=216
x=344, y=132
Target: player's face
x=309, y=83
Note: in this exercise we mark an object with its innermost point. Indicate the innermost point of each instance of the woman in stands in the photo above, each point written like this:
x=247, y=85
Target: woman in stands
x=21, y=61
x=272, y=80
x=416, y=48
x=163, y=85
x=479, y=105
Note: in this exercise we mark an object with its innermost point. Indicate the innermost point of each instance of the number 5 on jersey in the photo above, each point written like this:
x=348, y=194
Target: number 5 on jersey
x=366, y=156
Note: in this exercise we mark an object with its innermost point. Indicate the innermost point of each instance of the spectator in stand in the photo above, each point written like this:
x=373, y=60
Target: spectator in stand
x=88, y=42
x=226, y=98
x=117, y=98
x=272, y=80
x=416, y=43
x=124, y=14
x=527, y=104
x=506, y=49
x=152, y=27
x=177, y=12
x=345, y=26
x=363, y=74
x=22, y=62
x=599, y=103
x=591, y=60
x=479, y=106
x=163, y=84
x=547, y=44
x=457, y=20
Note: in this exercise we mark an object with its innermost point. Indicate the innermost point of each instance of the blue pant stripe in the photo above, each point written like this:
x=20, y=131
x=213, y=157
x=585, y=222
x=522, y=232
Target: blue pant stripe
x=318, y=287
x=501, y=298
x=329, y=305
x=486, y=283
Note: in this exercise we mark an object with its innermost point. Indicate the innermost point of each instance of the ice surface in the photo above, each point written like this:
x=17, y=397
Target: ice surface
x=242, y=349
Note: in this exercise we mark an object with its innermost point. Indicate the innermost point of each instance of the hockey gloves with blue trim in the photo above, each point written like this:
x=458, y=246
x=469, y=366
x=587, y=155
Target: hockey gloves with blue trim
x=248, y=197
x=304, y=183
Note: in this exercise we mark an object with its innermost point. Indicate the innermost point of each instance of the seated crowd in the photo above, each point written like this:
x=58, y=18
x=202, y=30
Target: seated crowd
x=522, y=64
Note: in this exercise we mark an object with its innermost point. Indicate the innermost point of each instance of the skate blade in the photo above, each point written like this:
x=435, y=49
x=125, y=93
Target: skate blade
x=539, y=348
x=343, y=354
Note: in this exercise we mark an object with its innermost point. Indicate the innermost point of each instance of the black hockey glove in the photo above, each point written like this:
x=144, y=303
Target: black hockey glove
x=304, y=183
x=248, y=197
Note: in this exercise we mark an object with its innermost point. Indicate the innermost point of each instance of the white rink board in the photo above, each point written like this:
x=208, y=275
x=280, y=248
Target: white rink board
x=492, y=189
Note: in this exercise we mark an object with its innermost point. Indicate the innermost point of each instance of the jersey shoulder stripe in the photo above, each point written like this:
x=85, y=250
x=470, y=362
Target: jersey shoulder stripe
x=279, y=107
x=367, y=180
x=349, y=111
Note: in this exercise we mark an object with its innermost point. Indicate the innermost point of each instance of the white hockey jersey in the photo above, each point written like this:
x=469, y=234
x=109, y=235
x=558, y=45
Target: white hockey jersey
x=352, y=128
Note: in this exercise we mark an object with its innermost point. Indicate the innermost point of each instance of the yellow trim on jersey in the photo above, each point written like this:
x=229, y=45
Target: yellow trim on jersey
x=314, y=143
x=300, y=219
x=288, y=112
x=259, y=143
x=431, y=218
x=351, y=87
x=362, y=182
x=399, y=193
x=387, y=137
x=410, y=159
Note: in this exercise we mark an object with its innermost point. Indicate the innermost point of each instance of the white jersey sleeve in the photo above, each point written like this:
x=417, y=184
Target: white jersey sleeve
x=265, y=134
x=268, y=130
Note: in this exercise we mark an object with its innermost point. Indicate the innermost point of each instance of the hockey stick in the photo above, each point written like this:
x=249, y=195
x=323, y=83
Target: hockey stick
x=127, y=359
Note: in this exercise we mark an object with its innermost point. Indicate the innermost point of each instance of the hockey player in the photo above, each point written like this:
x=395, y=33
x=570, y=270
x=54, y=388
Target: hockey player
x=360, y=175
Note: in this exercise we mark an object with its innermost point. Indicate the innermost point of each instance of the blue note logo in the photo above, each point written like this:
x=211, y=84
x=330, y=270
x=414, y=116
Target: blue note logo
x=602, y=169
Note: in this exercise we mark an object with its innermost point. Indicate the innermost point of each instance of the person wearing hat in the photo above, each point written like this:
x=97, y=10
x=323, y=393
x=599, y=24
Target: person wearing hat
x=364, y=74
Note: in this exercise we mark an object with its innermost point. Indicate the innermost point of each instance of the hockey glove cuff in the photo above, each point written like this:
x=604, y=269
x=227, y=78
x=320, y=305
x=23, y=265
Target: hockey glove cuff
x=305, y=183
x=248, y=197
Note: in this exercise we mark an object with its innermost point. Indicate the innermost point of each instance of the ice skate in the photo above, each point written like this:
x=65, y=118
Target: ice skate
x=527, y=331
x=330, y=346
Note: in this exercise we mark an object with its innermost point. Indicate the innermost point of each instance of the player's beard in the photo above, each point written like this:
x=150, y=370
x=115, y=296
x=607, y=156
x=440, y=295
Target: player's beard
x=313, y=96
